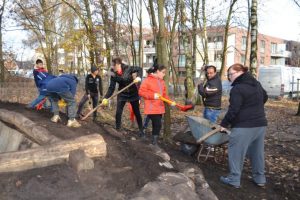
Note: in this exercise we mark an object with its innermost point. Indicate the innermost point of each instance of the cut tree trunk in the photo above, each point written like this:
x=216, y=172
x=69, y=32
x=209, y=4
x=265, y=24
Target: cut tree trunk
x=31, y=130
x=57, y=153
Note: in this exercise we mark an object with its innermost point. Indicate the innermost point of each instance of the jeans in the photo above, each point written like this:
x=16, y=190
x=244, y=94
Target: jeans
x=69, y=99
x=146, y=121
x=38, y=100
x=94, y=97
x=211, y=114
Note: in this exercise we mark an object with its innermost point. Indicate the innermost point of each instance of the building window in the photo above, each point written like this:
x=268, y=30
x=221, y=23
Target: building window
x=273, y=61
x=273, y=47
x=181, y=62
x=217, y=56
x=243, y=58
x=244, y=43
x=262, y=46
x=262, y=60
x=218, y=39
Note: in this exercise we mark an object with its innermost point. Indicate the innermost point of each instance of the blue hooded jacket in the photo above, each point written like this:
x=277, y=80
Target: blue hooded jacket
x=63, y=83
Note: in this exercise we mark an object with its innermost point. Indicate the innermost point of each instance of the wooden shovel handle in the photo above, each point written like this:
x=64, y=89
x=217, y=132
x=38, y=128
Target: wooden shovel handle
x=100, y=105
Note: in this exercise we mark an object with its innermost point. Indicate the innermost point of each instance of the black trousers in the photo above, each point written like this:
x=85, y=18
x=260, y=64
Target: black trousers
x=136, y=110
x=156, y=123
x=94, y=97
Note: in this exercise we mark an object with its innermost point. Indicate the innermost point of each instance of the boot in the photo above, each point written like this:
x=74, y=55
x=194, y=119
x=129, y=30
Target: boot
x=55, y=118
x=73, y=123
x=154, y=139
x=142, y=134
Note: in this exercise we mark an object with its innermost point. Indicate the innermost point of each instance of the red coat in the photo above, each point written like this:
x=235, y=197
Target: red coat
x=147, y=89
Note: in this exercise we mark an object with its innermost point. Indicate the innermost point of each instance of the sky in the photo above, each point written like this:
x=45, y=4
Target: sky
x=277, y=18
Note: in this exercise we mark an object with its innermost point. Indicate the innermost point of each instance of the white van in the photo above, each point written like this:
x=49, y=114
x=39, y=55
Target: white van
x=279, y=80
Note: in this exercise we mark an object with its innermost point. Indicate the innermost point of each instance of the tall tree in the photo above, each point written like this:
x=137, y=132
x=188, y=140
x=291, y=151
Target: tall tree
x=38, y=16
x=225, y=39
x=2, y=70
x=253, y=53
x=162, y=56
x=186, y=43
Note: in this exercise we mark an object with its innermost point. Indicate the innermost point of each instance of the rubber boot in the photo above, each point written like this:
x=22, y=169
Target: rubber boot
x=154, y=139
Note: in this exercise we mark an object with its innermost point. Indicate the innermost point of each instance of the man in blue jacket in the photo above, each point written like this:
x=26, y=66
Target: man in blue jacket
x=64, y=87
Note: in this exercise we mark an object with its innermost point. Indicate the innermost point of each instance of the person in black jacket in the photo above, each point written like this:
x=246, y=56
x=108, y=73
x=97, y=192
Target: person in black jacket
x=248, y=122
x=123, y=75
x=211, y=92
x=93, y=86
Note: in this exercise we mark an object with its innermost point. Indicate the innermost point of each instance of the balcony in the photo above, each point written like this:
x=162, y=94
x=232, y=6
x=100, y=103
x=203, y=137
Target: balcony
x=281, y=54
x=149, y=50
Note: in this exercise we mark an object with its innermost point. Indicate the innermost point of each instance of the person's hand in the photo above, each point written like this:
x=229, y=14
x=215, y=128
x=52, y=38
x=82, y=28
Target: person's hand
x=156, y=96
x=173, y=104
x=134, y=75
x=89, y=96
x=137, y=80
x=223, y=129
x=104, y=102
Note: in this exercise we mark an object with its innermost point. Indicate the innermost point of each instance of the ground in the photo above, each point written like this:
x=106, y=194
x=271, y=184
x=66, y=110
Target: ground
x=127, y=168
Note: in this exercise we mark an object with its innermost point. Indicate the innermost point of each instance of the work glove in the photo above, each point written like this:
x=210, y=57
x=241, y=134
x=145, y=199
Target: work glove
x=137, y=80
x=89, y=96
x=156, y=96
x=104, y=102
x=173, y=104
x=62, y=103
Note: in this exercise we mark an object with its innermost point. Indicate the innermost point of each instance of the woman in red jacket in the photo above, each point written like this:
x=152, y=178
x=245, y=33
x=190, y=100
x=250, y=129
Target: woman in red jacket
x=151, y=89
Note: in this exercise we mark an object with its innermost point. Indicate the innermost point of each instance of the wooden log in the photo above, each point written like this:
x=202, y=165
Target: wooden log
x=57, y=153
x=34, y=132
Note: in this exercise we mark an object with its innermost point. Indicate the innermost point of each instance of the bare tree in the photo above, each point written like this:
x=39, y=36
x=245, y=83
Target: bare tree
x=225, y=40
x=253, y=53
x=2, y=70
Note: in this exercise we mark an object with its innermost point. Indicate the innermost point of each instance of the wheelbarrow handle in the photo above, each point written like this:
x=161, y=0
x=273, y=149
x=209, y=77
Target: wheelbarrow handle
x=207, y=135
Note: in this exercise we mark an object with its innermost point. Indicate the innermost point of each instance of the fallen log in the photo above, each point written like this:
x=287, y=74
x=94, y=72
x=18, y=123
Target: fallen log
x=57, y=153
x=31, y=130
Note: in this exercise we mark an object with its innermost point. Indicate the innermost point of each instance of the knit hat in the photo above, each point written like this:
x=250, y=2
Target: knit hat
x=93, y=69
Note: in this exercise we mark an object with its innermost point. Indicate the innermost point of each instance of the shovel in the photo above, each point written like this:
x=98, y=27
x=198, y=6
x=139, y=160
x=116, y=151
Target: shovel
x=100, y=105
x=181, y=107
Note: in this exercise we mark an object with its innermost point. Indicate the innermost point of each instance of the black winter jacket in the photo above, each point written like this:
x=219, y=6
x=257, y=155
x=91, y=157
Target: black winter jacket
x=211, y=92
x=130, y=94
x=246, y=109
x=93, y=85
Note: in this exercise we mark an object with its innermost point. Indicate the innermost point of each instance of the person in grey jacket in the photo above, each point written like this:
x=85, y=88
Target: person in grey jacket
x=247, y=119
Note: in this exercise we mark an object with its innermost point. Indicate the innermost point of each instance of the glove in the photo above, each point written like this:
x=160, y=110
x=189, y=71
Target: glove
x=137, y=80
x=156, y=96
x=104, y=102
x=173, y=104
x=62, y=103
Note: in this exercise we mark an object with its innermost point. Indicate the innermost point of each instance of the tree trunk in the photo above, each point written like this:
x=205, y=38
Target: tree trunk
x=162, y=56
x=253, y=53
x=56, y=153
x=141, y=43
x=225, y=40
x=298, y=113
x=187, y=49
x=204, y=33
x=248, y=34
x=2, y=69
x=36, y=133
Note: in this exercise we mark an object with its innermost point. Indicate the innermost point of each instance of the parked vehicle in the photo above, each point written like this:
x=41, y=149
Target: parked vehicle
x=279, y=80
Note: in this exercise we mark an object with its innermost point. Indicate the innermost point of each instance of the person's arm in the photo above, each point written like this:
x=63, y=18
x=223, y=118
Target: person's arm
x=145, y=92
x=111, y=88
x=212, y=88
x=235, y=103
x=201, y=89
